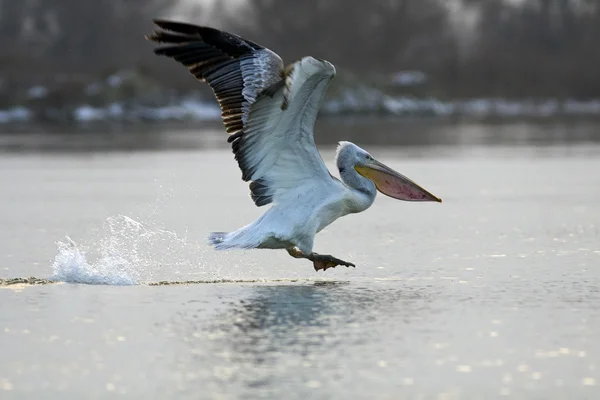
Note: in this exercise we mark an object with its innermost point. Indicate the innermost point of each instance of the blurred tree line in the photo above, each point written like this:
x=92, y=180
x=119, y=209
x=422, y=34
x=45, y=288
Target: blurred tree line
x=531, y=48
x=535, y=48
x=67, y=39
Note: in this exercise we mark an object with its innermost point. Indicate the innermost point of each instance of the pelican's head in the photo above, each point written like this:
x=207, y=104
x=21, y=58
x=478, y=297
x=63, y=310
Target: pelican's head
x=386, y=180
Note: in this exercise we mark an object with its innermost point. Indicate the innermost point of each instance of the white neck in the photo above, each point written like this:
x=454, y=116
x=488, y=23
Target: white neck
x=362, y=190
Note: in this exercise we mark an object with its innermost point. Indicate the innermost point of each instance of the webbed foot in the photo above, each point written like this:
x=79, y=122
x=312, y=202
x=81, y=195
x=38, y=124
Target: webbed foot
x=325, y=261
x=320, y=261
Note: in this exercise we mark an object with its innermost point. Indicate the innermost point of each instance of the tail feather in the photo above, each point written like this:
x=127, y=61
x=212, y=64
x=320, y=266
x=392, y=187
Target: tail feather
x=231, y=240
x=216, y=238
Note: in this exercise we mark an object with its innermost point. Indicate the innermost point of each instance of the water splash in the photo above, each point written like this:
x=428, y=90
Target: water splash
x=71, y=265
x=127, y=252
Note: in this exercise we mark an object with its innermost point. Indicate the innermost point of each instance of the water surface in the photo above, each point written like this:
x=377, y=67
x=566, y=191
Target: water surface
x=495, y=292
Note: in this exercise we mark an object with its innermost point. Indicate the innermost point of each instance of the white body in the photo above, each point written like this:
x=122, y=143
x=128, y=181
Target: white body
x=296, y=220
x=306, y=198
x=269, y=112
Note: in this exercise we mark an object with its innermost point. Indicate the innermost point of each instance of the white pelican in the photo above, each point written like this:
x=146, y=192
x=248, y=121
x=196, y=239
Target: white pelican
x=269, y=111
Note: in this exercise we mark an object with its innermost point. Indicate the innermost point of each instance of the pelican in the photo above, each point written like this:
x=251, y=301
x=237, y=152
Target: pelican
x=269, y=111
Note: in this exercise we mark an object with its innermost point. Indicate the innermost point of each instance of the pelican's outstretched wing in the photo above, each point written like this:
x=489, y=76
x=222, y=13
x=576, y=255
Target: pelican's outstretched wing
x=268, y=110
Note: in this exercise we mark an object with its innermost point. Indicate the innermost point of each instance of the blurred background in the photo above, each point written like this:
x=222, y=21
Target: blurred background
x=70, y=64
x=492, y=105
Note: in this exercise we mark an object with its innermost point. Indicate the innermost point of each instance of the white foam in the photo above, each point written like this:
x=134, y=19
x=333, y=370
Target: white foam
x=128, y=252
x=70, y=265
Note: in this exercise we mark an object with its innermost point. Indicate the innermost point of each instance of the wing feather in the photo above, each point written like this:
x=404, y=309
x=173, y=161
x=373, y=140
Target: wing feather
x=268, y=111
x=235, y=68
x=277, y=146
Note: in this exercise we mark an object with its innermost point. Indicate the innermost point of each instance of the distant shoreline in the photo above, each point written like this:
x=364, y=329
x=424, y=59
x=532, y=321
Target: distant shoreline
x=346, y=105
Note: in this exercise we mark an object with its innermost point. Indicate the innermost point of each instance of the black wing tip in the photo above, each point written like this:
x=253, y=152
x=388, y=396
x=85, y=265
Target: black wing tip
x=259, y=201
x=186, y=28
x=237, y=145
x=176, y=26
x=259, y=192
x=197, y=31
x=175, y=32
x=159, y=21
x=168, y=29
x=235, y=136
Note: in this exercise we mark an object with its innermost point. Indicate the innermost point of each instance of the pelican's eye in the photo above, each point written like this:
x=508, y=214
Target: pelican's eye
x=369, y=157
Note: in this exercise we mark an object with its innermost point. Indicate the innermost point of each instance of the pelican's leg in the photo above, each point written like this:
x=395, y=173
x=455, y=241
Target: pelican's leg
x=320, y=261
x=296, y=253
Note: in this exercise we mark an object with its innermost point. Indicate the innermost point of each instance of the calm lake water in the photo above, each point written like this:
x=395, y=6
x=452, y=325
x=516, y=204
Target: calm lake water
x=493, y=293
